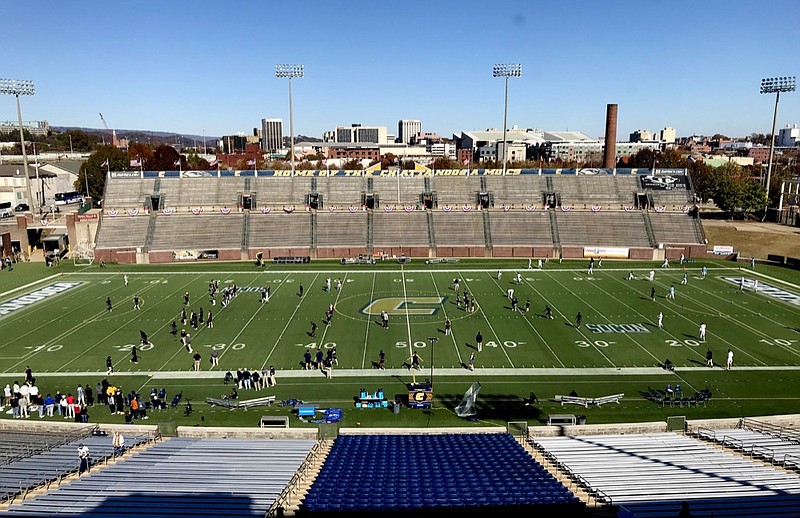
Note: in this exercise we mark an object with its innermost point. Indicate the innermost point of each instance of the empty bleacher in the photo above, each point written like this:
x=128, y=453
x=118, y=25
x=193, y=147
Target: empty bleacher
x=341, y=191
x=341, y=229
x=279, y=191
x=520, y=228
x=127, y=193
x=279, y=229
x=187, y=231
x=623, y=229
x=651, y=475
x=400, y=228
x=675, y=228
x=414, y=472
x=55, y=458
x=517, y=190
x=180, y=477
x=456, y=190
x=399, y=191
x=770, y=446
x=122, y=231
x=458, y=228
x=608, y=191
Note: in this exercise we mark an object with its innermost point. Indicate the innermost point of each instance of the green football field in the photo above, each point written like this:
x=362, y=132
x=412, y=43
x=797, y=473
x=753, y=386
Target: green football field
x=56, y=321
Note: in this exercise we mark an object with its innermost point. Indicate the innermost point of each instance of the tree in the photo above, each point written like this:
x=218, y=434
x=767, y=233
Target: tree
x=754, y=197
x=671, y=157
x=164, y=159
x=94, y=170
x=352, y=165
x=645, y=158
x=141, y=152
x=702, y=176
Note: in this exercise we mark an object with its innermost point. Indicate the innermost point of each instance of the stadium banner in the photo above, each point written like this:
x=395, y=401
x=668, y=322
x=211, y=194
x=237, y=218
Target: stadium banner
x=722, y=250
x=664, y=182
x=607, y=252
x=198, y=174
x=125, y=174
x=194, y=255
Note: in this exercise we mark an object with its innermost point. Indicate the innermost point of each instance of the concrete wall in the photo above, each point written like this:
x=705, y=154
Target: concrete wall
x=247, y=433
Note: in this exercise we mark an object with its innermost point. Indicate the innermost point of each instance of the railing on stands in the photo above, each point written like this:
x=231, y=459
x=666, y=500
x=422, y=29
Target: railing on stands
x=772, y=429
x=284, y=499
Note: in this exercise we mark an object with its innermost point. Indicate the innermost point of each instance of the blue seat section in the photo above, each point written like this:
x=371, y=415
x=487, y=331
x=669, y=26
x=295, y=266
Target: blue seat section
x=394, y=472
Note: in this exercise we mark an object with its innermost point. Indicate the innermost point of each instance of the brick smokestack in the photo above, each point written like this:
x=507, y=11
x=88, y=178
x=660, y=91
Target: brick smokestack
x=610, y=148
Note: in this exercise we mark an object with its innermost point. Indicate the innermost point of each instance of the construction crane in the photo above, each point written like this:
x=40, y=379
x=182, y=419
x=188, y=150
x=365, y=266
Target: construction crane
x=112, y=133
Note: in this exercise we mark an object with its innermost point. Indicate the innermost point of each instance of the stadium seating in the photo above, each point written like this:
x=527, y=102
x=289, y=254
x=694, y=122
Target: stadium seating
x=399, y=228
x=187, y=231
x=123, y=231
x=772, y=447
x=279, y=229
x=520, y=228
x=399, y=191
x=623, y=229
x=652, y=474
x=393, y=472
x=598, y=210
x=675, y=228
x=180, y=477
x=56, y=457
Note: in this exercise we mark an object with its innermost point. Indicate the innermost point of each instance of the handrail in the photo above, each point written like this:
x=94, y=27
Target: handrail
x=285, y=496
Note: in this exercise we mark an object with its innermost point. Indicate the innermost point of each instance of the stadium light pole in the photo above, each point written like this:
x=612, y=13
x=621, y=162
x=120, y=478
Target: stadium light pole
x=775, y=85
x=17, y=87
x=290, y=71
x=506, y=70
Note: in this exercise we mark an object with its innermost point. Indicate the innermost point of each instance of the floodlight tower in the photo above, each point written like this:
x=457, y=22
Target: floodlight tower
x=775, y=85
x=290, y=71
x=17, y=87
x=506, y=70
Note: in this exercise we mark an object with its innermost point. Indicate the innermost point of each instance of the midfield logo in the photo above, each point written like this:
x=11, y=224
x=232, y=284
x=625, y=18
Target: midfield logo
x=405, y=306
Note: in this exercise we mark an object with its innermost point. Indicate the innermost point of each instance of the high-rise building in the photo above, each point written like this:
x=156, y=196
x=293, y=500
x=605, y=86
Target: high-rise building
x=667, y=135
x=356, y=133
x=271, y=135
x=407, y=129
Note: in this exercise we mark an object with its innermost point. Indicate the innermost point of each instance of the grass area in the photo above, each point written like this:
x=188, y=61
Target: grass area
x=754, y=239
x=66, y=337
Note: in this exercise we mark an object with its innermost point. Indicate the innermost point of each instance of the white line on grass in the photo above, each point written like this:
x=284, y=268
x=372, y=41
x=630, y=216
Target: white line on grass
x=531, y=325
x=34, y=283
x=452, y=333
x=288, y=321
x=586, y=338
x=491, y=328
x=335, y=303
x=369, y=324
x=405, y=307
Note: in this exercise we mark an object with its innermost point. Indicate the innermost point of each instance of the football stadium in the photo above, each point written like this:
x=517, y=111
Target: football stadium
x=563, y=342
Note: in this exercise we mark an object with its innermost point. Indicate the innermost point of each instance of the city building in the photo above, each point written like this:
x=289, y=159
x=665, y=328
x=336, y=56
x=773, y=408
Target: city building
x=640, y=136
x=356, y=133
x=789, y=136
x=407, y=129
x=32, y=127
x=271, y=135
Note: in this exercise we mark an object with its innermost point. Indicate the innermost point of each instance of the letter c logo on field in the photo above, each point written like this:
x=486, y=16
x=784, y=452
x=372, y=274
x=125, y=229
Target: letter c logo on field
x=405, y=306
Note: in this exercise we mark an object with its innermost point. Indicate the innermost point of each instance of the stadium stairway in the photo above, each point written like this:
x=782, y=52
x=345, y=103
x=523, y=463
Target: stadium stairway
x=297, y=489
x=594, y=506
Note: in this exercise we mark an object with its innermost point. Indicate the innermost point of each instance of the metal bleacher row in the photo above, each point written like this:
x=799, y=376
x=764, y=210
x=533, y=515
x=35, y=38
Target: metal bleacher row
x=595, y=211
x=57, y=457
x=651, y=475
x=179, y=477
x=393, y=472
x=771, y=446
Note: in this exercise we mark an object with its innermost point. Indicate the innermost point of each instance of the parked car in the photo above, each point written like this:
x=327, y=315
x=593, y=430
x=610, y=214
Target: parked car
x=22, y=207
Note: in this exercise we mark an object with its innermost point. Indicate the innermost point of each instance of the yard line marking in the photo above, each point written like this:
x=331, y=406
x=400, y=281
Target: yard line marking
x=491, y=328
x=405, y=307
x=102, y=340
x=335, y=303
x=288, y=321
x=531, y=325
x=369, y=324
x=586, y=338
x=255, y=314
x=444, y=310
x=710, y=310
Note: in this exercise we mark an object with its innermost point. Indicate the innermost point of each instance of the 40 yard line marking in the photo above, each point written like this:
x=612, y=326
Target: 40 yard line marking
x=288, y=321
x=369, y=324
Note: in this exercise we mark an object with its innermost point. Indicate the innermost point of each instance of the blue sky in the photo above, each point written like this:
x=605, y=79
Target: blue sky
x=191, y=67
